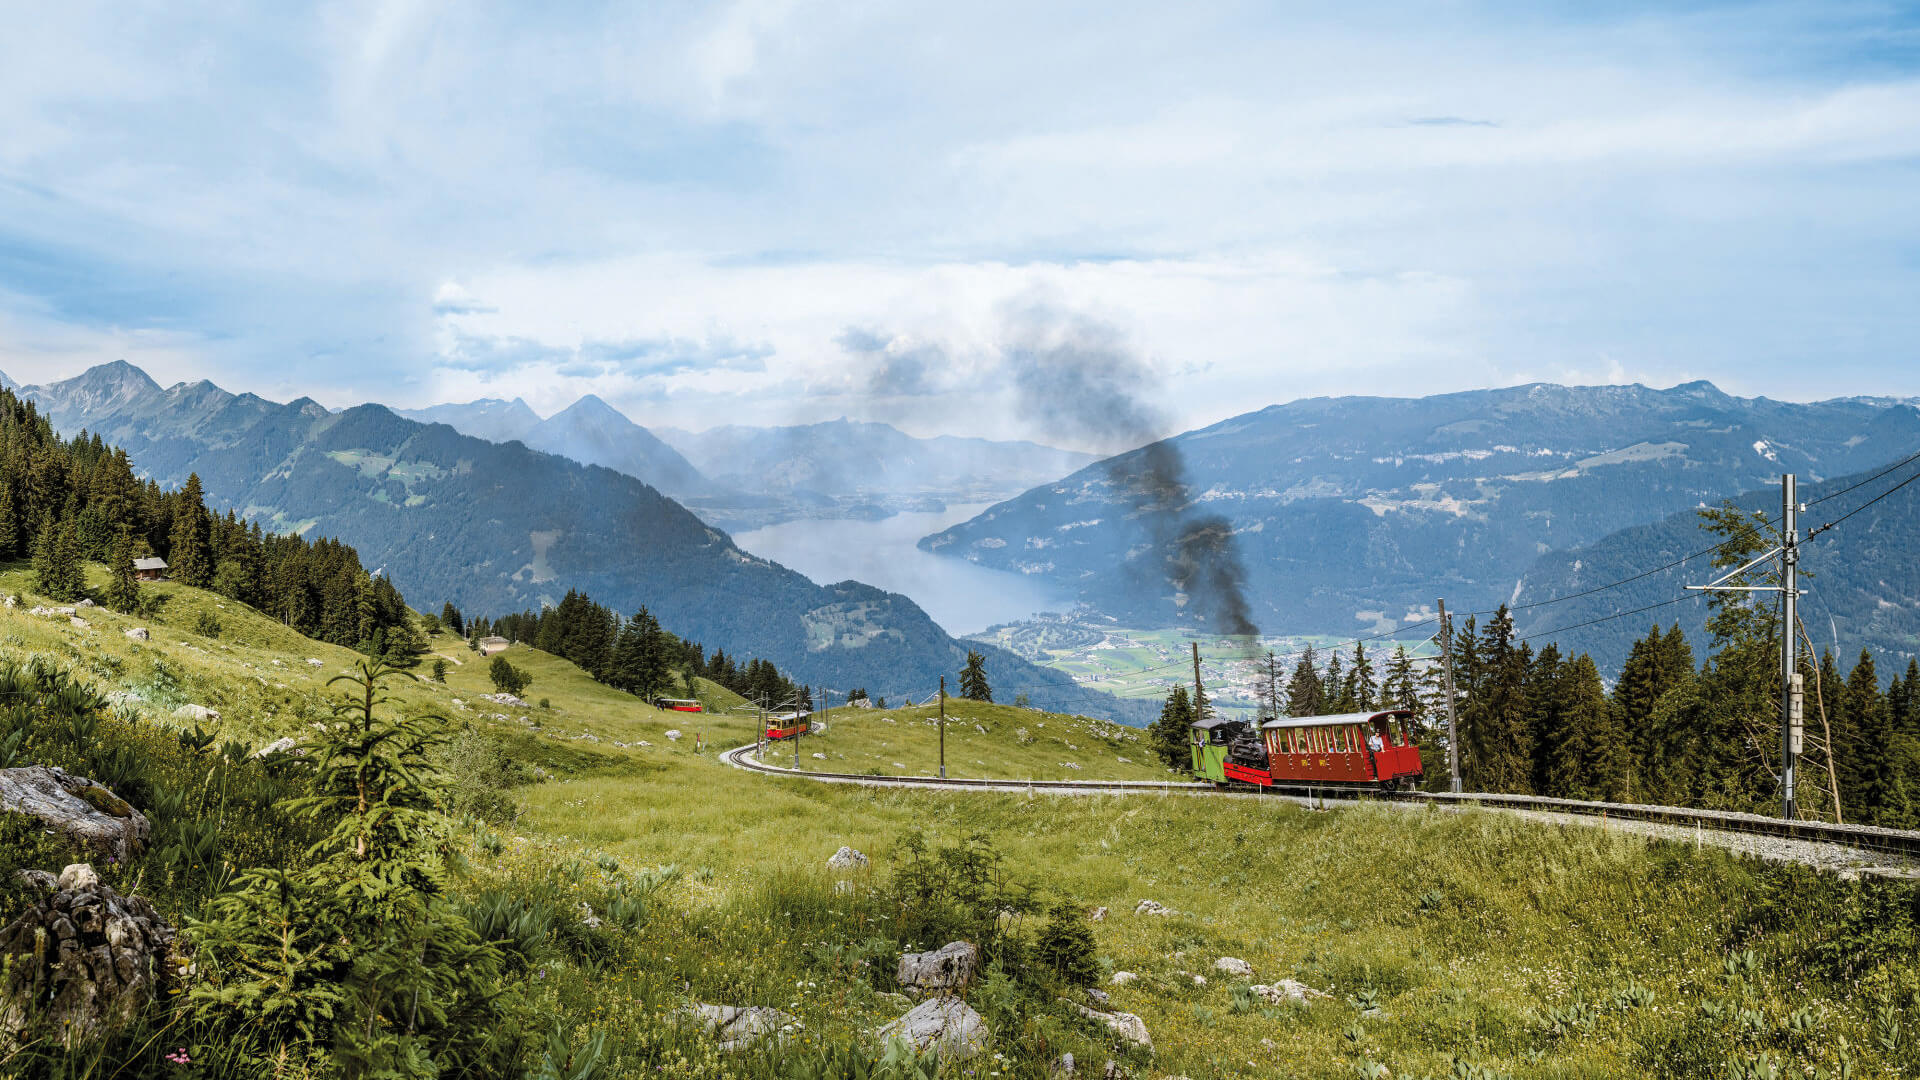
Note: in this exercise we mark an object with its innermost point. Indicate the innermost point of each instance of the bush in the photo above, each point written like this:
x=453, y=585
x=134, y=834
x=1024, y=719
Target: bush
x=507, y=679
x=1065, y=949
x=439, y=671
x=206, y=625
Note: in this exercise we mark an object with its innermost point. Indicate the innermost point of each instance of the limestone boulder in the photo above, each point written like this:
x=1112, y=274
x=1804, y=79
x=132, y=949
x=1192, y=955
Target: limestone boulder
x=1127, y=1026
x=1152, y=907
x=739, y=1027
x=78, y=808
x=945, y=970
x=846, y=858
x=1286, y=991
x=138, y=633
x=1233, y=966
x=944, y=1024
x=83, y=960
x=196, y=714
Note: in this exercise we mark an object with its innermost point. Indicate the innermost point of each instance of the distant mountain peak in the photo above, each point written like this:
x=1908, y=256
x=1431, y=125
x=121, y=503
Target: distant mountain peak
x=591, y=405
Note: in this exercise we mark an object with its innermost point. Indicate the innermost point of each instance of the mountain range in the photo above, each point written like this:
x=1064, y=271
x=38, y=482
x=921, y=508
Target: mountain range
x=498, y=527
x=739, y=477
x=1350, y=515
x=1860, y=580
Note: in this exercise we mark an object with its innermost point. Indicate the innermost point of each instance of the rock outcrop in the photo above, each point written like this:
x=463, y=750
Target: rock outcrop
x=945, y=1024
x=1152, y=907
x=77, y=807
x=1286, y=990
x=83, y=960
x=196, y=714
x=1234, y=966
x=739, y=1027
x=945, y=970
x=1126, y=1025
x=846, y=858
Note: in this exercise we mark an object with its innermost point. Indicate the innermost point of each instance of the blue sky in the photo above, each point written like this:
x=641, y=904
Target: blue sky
x=773, y=211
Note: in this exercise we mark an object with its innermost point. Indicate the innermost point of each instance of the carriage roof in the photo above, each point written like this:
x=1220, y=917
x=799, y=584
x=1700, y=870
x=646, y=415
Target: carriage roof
x=1340, y=720
x=1212, y=722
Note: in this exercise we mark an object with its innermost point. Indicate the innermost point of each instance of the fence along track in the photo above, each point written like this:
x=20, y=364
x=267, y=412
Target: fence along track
x=1860, y=837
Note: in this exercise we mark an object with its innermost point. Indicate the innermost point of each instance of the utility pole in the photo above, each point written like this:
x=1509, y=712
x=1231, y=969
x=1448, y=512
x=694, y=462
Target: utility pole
x=1273, y=684
x=943, y=727
x=1446, y=673
x=1199, y=695
x=1789, y=590
x=796, y=738
x=1789, y=677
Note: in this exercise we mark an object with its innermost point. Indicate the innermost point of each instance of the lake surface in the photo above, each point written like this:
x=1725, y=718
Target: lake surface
x=962, y=597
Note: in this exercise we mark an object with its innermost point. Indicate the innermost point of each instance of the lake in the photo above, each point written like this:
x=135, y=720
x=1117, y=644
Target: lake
x=962, y=597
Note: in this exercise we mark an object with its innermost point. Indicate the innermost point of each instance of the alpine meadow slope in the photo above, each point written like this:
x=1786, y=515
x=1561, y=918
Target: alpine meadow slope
x=500, y=527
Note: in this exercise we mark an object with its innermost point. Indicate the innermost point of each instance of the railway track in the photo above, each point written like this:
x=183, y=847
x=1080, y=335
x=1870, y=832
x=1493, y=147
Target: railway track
x=1901, y=843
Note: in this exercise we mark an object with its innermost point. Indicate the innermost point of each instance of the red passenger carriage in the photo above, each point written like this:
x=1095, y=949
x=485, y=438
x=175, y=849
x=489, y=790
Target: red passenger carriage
x=1352, y=748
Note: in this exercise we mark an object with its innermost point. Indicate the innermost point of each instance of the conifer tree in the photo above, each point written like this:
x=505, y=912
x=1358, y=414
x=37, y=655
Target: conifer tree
x=1337, y=689
x=188, y=559
x=1170, y=733
x=973, y=678
x=1361, y=688
x=1496, y=743
x=9, y=521
x=1305, y=696
x=123, y=584
x=450, y=618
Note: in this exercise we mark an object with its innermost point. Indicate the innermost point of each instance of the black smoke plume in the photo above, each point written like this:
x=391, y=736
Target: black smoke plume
x=1077, y=379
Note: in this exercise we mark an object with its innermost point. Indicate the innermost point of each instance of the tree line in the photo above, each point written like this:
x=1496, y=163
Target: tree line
x=1669, y=732
x=635, y=654
x=66, y=501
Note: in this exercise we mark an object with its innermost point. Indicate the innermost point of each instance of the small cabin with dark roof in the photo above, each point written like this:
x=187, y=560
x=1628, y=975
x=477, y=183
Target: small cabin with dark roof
x=153, y=569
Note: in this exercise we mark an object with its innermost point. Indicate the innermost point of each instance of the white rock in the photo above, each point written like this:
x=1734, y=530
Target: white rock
x=846, y=859
x=1286, y=990
x=1199, y=980
x=85, y=810
x=1122, y=978
x=196, y=714
x=643, y=742
x=949, y=968
x=587, y=918
x=739, y=1028
x=84, y=604
x=78, y=623
x=1126, y=1025
x=1152, y=907
x=946, y=1024
x=8, y=601
x=673, y=733
x=78, y=876
x=282, y=745
x=1234, y=966
x=819, y=756
x=66, y=611
x=1099, y=915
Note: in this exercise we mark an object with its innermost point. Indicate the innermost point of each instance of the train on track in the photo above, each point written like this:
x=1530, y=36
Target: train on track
x=1367, y=749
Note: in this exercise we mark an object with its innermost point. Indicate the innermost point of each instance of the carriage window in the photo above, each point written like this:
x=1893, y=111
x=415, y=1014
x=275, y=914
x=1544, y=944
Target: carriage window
x=1337, y=740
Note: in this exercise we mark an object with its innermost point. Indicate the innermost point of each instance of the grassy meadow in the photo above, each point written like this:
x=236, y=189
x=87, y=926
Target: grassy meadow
x=1446, y=944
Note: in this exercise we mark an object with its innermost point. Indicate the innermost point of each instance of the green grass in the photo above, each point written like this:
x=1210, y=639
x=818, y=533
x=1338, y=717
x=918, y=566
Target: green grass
x=1485, y=942
x=983, y=740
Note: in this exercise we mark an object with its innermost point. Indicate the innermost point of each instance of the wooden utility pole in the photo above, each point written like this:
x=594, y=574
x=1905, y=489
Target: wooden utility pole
x=943, y=727
x=1199, y=694
x=1446, y=671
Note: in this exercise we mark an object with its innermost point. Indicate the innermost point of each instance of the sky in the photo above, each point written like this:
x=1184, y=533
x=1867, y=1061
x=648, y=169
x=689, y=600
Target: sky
x=774, y=211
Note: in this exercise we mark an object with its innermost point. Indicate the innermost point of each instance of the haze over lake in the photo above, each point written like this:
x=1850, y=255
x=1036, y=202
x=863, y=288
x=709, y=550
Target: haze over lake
x=962, y=597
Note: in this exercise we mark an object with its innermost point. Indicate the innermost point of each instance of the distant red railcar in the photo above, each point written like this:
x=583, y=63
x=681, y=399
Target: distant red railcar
x=788, y=728
x=678, y=704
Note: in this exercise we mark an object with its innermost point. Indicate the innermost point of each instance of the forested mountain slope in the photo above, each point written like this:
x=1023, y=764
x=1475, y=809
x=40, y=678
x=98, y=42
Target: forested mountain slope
x=1861, y=579
x=501, y=527
x=1352, y=514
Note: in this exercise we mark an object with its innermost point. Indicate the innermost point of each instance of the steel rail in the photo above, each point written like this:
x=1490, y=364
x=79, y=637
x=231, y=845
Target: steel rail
x=1902, y=842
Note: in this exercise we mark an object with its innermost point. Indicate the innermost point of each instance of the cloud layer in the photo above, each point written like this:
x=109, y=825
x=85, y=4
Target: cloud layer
x=771, y=210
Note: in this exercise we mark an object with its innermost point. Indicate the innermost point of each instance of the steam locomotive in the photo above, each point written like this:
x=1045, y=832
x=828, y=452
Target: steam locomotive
x=1365, y=748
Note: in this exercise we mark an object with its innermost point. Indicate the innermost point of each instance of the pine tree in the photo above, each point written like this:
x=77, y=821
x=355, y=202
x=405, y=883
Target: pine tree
x=973, y=678
x=9, y=523
x=1862, y=741
x=1496, y=743
x=1305, y=697
x=123, y=584
x=1170, y=733
x=189, y=559
x=1361, y=690
x=450, y=618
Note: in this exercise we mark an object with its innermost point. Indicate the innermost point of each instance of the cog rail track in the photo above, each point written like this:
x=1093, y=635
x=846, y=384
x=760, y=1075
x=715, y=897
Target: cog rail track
x=1899, y=842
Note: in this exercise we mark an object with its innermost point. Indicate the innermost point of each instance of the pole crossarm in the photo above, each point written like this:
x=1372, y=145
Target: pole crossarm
x=1720, y=582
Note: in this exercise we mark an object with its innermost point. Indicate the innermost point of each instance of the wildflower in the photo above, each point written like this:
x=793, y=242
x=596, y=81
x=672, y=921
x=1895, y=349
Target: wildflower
x=179, y=1056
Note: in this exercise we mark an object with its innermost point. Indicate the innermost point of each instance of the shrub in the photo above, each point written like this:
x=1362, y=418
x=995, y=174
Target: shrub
x=507, y=679
x=206, y=625
x=439, y=671
x=1065, y=949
